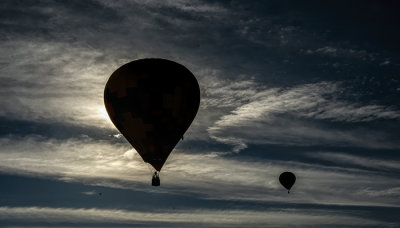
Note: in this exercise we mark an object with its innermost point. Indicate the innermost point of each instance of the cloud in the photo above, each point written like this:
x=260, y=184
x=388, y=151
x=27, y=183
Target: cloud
x=395, y=191
x=345, y=111
x=72, y=159
x=192, y=6
x=193, y=218
x=57, y=58
x=90, y=193
x=60, y=77
x=206, y=175
x=384, y=63
x=363, y=161
x=318, y=100
x=130, y=154
x=46, y=86
x=283, y=116
x=338, y=52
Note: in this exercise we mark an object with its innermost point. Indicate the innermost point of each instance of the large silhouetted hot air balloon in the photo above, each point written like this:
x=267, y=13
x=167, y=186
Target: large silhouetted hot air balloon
x=152, y=102
x=287, y=179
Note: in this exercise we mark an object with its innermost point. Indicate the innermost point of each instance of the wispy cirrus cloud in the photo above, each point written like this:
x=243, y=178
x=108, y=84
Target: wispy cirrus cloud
x=192, y=6
x=370, y=191
x=320, y=100
x=54, y=82
x=90, y=193
x=72, y=158
x=57, y=56
x=283, y=116
x=47, y=78
x=363, y=161
x=343, y=53
x=206, y=175
x=225, y=94
x=193, y=218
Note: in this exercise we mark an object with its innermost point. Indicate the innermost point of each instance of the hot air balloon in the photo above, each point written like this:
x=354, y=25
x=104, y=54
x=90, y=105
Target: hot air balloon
x=287, y=179
x=152, y=102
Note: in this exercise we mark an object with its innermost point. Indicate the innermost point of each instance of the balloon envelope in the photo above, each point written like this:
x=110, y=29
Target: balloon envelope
x=287, y=179
x=152, y=102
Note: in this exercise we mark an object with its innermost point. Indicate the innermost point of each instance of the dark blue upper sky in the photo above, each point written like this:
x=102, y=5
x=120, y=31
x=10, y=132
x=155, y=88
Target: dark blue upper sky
x=308, y=87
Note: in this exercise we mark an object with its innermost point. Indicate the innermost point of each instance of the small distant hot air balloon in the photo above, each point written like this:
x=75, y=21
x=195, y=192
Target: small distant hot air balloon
x=152, y=102
x=287, y=179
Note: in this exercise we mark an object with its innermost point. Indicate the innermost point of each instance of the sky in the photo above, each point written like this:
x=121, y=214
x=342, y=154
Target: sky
x=310, y=87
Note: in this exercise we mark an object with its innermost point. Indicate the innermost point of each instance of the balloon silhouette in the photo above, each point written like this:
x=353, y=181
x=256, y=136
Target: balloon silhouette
x=287, y=179
x=152, y=102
